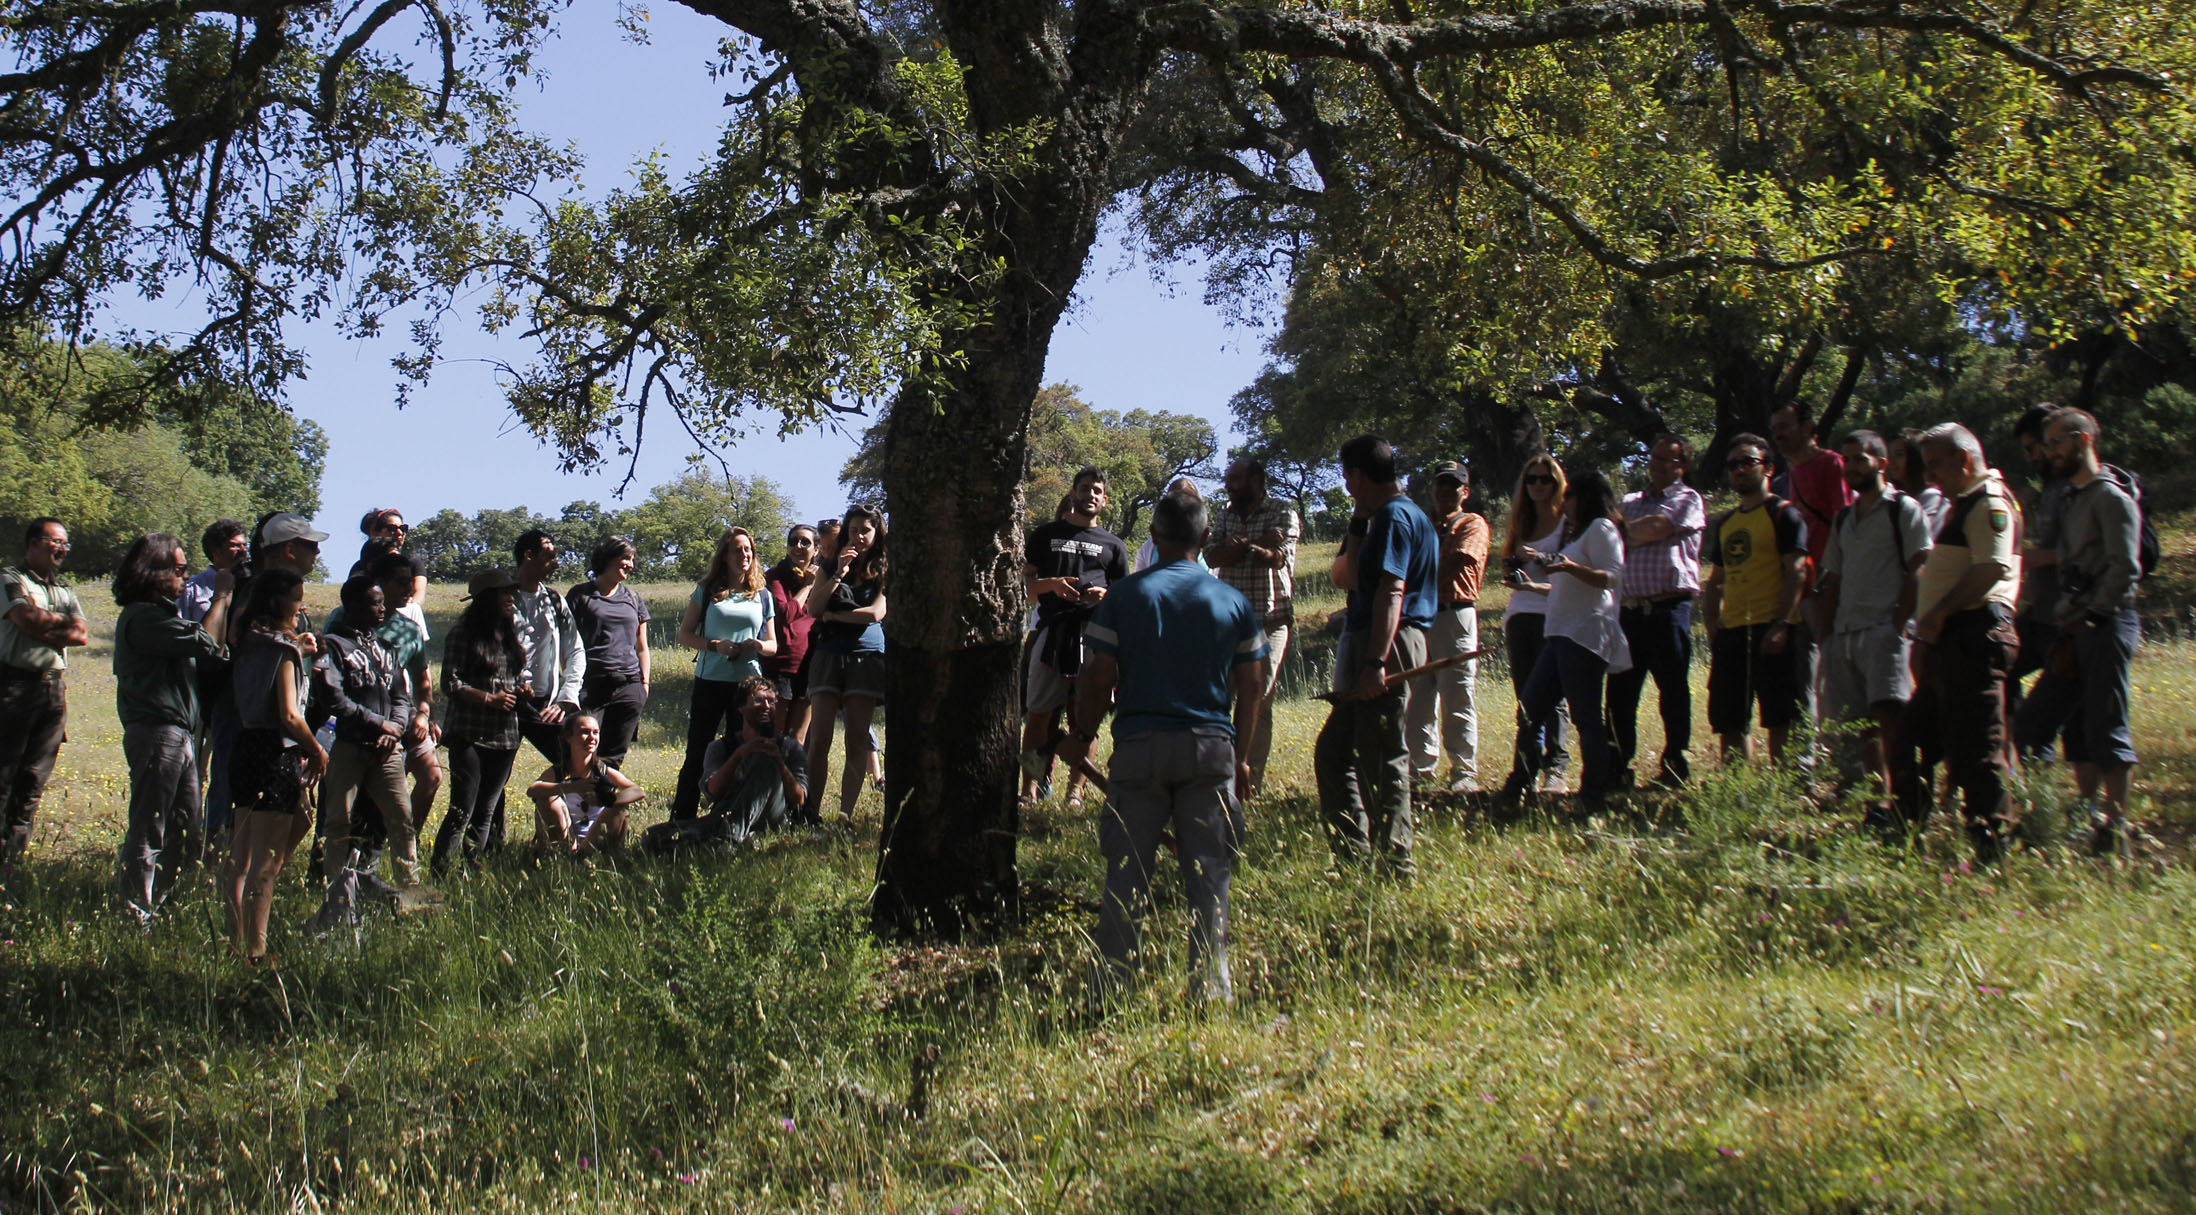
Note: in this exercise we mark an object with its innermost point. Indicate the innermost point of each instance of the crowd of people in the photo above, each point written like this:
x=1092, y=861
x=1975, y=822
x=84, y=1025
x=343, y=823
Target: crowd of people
x=1892, y=587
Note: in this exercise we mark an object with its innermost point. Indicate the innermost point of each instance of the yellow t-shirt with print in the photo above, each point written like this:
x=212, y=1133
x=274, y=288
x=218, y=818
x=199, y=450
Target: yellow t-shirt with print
x=1750, y=546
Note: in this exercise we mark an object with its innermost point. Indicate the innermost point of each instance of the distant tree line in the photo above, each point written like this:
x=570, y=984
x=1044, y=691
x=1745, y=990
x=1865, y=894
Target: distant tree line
x=674, y=529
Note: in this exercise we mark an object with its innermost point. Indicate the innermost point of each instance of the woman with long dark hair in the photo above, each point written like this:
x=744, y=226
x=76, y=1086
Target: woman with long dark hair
x=156, y=655
x=1584, y=641
x=276, y=756
x=483, y=676
x=1535, y=526
x=613, y=625
x=789, y=581
x=846, y=649
x=729, y=620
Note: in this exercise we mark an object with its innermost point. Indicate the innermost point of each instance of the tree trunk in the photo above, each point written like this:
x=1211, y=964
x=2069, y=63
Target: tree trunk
x=946, y=859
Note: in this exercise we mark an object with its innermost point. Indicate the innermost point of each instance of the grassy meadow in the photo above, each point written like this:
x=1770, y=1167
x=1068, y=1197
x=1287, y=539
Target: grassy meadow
x=1724, y=1001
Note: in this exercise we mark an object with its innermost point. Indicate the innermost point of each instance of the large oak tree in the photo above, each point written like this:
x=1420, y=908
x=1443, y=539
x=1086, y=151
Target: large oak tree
x=905, y=198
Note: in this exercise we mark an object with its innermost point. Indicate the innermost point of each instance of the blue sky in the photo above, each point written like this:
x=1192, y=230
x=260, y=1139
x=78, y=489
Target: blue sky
x=1127, y=343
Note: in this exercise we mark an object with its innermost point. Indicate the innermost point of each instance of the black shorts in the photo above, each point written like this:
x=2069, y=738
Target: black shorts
x=1739, y=675
x=266, y=777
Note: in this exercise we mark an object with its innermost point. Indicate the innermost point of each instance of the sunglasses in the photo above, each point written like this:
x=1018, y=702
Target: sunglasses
x=1539, y=479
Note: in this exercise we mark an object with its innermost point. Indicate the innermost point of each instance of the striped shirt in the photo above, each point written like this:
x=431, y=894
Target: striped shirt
x=1269, y=590
x=1665, y=567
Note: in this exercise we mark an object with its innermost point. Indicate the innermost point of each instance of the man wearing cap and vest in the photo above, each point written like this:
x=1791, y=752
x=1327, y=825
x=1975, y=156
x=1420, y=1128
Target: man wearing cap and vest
x=1442, y=713
x=39, y=620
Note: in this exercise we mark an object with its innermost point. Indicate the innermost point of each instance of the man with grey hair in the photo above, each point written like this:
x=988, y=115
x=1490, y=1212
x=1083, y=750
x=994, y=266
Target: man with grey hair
x=2099, y=539
x=1967, y=643
x=1180, y=650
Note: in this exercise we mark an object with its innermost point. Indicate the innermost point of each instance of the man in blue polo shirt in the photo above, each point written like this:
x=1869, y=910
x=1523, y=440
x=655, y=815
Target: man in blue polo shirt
x=1387, y=565
x=1179, y=646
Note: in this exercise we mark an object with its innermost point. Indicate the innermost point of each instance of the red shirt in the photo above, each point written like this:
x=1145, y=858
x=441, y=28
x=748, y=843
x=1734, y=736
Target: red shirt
x=790, y=600
x=1818, y=489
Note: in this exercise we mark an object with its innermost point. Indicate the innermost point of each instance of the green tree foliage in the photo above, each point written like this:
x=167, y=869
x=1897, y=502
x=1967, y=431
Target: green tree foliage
x=112, y=483
x=674, y=530
x=1141, y=451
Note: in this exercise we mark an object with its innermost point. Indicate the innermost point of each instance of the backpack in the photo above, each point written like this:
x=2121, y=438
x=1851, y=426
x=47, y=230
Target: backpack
x=2148, y=551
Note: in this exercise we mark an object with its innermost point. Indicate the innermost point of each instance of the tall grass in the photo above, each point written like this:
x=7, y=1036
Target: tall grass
x=1727, y=1001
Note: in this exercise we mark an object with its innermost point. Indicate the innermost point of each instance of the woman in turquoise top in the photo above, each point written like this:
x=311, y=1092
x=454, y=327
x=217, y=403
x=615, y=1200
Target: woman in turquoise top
x=728, y=620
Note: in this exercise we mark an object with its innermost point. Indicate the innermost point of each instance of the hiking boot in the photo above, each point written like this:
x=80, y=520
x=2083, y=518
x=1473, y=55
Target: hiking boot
x=2109, y=836
x=331, y=916
x=373, y=889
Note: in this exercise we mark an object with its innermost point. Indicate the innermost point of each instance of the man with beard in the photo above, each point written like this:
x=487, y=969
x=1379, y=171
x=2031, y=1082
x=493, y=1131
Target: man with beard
x=1869, y=570
x=1753, y=571
x=1068, y=566
x=2100, y=530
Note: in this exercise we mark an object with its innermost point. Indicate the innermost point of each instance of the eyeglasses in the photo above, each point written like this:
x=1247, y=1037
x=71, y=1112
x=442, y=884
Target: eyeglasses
x=1539, y=479
x=1742, y=462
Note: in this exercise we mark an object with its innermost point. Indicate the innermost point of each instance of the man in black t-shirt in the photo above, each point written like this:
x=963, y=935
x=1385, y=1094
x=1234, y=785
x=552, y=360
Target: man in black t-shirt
x=1067, y=566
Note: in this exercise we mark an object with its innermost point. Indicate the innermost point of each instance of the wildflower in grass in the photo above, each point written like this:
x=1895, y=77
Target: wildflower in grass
x=689, y=1178
x=786, y=1125
x=583, y=1162
x=1729, y=1152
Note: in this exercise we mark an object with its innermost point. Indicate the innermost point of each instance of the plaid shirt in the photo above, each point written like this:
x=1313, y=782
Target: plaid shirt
x=1665, y=567
x=1269, y=590
x=463, y=720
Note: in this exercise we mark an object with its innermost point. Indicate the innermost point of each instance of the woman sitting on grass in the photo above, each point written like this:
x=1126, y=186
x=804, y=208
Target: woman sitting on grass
x=580, y=805
x=275, y=758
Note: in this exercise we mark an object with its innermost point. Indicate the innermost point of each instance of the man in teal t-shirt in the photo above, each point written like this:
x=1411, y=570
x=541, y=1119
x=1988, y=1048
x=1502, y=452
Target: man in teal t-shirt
x=1182, y=648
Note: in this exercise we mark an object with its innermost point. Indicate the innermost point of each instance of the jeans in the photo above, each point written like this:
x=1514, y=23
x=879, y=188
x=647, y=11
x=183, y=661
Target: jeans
x=2090, y=709
x=477, y=776
x=1184, y=780
x=1661, y=638
x=714, y=709
x=221, y=732
x=163, y=831
x=33, y=713
x=1442, y=714
x=1523, y=637
x=1364, y=768
x=1571, y=674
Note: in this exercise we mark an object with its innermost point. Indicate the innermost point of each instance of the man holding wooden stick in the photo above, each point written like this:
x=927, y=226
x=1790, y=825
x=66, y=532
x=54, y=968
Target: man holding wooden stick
x=1387, y=564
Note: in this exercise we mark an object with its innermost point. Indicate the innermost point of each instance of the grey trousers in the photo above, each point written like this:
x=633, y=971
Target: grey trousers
x=1269, y=681
x=1363, y=764
x=1444, y=712
x=1183, y=779
x=355, y=769
x=163, y=830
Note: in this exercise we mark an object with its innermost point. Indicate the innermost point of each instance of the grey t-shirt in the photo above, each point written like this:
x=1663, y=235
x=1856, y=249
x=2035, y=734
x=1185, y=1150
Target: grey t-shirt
x=755, y=800
x=1869, y=552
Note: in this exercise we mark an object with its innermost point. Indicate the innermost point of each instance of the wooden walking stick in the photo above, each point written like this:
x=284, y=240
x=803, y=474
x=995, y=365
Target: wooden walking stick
x=1413, y=673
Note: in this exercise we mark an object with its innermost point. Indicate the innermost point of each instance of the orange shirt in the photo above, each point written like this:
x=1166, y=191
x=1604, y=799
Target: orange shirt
x=1466, y=533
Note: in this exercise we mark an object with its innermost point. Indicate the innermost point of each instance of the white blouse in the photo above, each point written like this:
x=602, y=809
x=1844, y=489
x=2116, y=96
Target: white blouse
x=1587, y=614
x=1534, y=603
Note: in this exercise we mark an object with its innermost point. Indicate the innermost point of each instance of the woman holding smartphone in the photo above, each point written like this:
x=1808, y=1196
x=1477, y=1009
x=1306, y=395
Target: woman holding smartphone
x=1583, y=642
